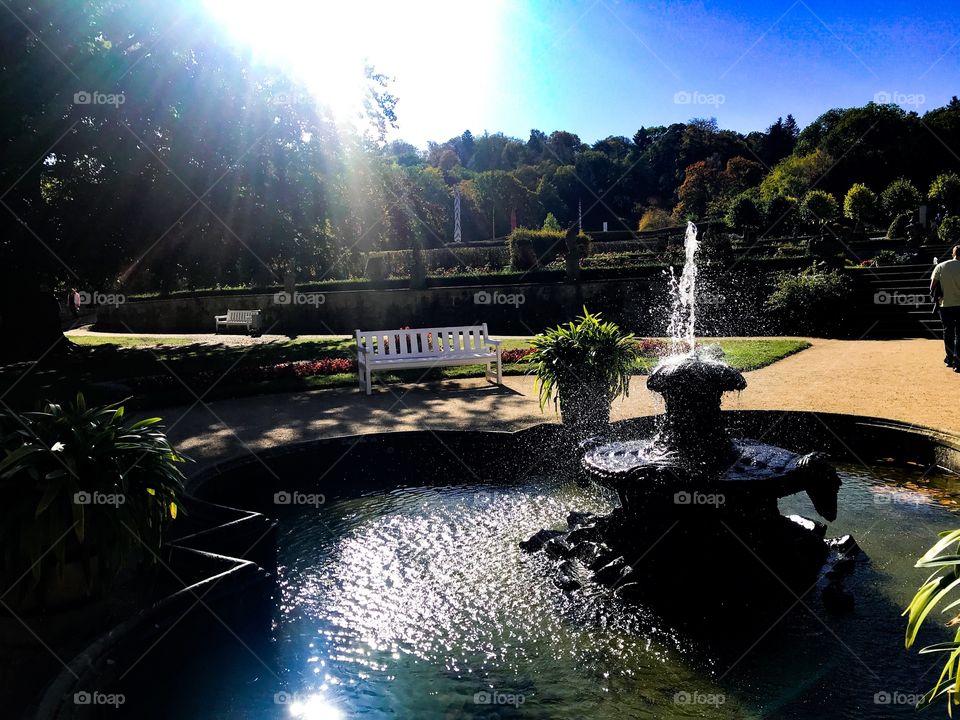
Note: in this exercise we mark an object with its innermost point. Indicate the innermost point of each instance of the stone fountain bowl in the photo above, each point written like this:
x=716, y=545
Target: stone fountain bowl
x=703, y=369
x=759, y=474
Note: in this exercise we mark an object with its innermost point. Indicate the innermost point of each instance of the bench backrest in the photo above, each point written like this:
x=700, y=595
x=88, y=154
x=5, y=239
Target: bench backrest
x=242, y=315
x=424, y=342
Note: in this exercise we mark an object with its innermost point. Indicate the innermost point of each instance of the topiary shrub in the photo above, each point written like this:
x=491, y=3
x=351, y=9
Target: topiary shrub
x=898, y=227
x=814, y=302
x=538, y=248
x=376, y=267
x=949, y=230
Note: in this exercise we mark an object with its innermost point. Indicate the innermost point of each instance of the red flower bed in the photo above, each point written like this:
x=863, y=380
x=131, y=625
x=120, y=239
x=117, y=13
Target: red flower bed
x=652, y=346
x=515, y=356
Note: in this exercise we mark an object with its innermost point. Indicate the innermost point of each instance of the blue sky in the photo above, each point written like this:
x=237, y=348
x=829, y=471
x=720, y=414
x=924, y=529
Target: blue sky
x=610, y=66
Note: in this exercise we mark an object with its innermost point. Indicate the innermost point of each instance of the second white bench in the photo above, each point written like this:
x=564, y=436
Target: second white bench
x=426, y=348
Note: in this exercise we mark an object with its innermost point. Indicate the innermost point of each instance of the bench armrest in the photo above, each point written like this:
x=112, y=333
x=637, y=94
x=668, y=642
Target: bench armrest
x=491, y=341
x=363, y=348
x=219, y=317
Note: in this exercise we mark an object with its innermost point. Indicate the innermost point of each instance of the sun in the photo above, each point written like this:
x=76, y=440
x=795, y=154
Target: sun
x=419, y=45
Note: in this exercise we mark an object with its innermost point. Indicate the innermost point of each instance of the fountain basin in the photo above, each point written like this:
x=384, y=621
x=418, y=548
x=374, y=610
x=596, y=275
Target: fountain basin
x=553, y=652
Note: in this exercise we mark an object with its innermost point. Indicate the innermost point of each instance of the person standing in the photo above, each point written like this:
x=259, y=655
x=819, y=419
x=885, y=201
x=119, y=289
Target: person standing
x=945, y=286
x=73, y=302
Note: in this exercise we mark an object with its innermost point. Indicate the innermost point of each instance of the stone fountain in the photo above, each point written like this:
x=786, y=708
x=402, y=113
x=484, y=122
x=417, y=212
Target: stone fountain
x=693, y=495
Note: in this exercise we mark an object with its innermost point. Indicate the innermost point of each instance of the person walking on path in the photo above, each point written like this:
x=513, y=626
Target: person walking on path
x=945, y=286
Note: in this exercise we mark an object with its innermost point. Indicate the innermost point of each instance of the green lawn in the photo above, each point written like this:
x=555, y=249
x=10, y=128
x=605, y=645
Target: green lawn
x=150, y=370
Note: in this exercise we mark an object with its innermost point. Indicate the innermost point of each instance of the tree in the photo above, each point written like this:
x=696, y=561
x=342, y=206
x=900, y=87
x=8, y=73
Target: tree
x=796, y=174
x=744, y=214
x=860, y=204
x=819, y=207
x=945, y=192
x=900, y=197
x=655, y=219
x=551, y=223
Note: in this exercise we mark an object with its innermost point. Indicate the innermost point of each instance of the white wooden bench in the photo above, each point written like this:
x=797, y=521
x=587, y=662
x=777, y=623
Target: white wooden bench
x=250, y=319
x=426, y=348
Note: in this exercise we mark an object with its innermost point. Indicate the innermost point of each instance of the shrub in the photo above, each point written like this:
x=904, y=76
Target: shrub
x=900, y=197
x=888, y=257
x=949, y=230
x=814, y=302
x=819, y=207
x=656, y=219
x=538, y=248
x=581, y=367
x=376, y=267
x=898, y=227
x=551, y=223
x=860, y=204
x=78, y=485
x=945, y=191
x=744, y=214
x=780, y=213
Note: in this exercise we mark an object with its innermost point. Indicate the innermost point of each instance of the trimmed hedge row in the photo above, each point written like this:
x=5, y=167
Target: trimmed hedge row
x=396, y=263
x=538, y=248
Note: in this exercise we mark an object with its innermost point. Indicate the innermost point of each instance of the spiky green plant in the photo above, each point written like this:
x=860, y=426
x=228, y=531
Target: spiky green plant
x=78, y=484
x=586, y=352
x=944, y=558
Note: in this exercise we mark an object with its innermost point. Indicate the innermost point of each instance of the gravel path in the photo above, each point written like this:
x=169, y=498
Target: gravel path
x=896, y=379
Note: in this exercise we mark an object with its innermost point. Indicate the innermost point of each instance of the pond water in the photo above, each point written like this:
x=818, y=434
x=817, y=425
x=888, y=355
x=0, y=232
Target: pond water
x=418, y=604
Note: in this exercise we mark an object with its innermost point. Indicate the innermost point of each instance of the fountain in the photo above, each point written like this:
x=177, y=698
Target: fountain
x=691, y=492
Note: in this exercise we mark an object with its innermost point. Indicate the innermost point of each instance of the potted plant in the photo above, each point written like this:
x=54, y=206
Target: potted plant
x=582, y=367
x=83, y=497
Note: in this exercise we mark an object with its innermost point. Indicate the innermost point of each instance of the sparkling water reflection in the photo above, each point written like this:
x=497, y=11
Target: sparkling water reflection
x=417, y=603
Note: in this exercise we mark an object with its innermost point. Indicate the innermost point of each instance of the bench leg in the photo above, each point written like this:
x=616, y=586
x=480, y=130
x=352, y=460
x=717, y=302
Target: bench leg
x=367, y=374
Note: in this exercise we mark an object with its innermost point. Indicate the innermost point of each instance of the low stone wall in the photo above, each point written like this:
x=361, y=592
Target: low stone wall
x=519, y=309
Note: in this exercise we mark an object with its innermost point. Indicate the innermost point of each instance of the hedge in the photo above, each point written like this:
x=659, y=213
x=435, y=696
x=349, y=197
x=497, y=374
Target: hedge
x=538, y=248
